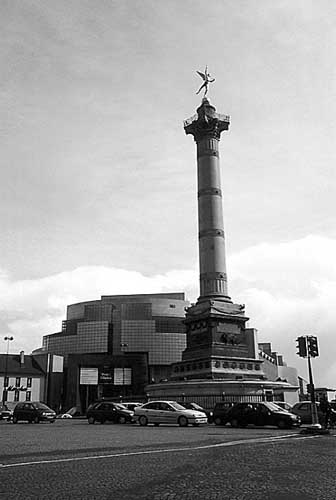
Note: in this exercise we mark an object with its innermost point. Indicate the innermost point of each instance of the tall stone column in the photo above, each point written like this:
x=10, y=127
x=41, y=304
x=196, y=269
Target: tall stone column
x=206, y=128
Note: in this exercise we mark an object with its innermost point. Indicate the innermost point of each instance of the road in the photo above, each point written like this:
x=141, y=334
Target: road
x=74, y=460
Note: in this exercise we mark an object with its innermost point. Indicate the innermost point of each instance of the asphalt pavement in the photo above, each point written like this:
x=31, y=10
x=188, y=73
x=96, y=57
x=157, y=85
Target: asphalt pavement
x=74, y=460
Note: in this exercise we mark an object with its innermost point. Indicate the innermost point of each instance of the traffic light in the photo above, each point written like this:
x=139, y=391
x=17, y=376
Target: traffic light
x=301, y=345
x=312, y=346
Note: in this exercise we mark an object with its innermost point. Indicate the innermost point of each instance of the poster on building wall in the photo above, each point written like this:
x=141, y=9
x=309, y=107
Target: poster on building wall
x=122, y=376
x=88, y=376
x=106, y=377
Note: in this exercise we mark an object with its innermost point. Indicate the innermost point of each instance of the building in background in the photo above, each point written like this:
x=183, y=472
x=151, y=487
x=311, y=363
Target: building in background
x=31, y=378
x=276, y=369
x=122, y=341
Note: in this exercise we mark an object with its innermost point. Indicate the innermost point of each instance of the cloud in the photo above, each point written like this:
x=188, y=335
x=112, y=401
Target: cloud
x=33, y=308
x=289, y=290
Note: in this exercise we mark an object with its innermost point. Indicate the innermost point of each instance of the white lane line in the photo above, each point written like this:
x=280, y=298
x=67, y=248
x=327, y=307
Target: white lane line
x=162, y=450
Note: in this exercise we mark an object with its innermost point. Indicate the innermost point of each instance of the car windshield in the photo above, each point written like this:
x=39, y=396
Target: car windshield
x=41, y=406
x=273, y=406
x=119, y=406
x=177, y=406
x=195, y=406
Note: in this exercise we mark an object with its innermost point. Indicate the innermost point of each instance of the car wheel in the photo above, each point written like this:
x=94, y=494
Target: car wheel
x=234, y=423
x=52, y=421
x=282, y=424
x=218, y=421
x=91, y=420
x=36, y=420
x=183, y=422
x=143, y=420
x=102, y=420
x=15, y=419
x=122, y=419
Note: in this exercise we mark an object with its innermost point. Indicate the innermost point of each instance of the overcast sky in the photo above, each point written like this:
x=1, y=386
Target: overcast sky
x=98, y=179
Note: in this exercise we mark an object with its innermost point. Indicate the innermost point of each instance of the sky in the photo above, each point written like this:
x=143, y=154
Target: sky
x=98, y=179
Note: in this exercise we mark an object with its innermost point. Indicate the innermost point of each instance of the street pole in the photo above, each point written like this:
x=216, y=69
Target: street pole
x=312, y=394
x=4, y=392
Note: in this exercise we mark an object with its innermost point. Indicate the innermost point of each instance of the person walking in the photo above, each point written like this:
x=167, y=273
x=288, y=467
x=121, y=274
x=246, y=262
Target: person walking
x=325, y=408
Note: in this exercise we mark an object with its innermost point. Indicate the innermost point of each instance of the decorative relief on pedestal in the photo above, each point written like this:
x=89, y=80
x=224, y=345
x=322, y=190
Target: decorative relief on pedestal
x=229, y=338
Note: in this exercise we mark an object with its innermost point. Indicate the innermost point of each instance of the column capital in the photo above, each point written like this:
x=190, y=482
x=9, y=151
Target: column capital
x=206, y=123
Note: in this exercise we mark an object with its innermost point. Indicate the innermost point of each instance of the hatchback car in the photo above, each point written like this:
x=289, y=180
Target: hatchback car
x=195, y=406
x=131, y=405
x=107, y=411
x=220, y=412
x=303, y=410
x=265, y=413
x=168, y=412
x=33, y=412
x=5, y=412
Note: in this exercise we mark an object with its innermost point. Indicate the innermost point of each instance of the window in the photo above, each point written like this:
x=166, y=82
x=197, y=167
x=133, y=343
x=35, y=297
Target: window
x=6, y=382
x=16, y=395
x=28, y=396
x=17, y=382
x=29, y=382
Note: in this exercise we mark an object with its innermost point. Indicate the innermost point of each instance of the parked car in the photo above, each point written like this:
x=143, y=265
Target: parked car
x=103, y=411
x=196, y=407
x=265, y=413
x=5, y=412
x=73, y=412
x=284, y=405
x=33, y=412
x=220, y=412
x=303, y=410
x=168, y=412
x=131, y=405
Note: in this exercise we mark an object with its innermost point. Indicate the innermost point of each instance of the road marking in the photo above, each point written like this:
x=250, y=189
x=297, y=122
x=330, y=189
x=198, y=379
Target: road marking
x=161, y=450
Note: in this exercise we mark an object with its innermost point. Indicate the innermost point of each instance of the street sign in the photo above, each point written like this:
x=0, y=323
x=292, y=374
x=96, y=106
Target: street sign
x=88, y=376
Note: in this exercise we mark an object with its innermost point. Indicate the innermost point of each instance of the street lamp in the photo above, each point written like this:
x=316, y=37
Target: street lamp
x=4, y=392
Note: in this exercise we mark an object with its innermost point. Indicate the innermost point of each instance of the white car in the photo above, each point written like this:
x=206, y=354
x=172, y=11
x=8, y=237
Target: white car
x=168, y=412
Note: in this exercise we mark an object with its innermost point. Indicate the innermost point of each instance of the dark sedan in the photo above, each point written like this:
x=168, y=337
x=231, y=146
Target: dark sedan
x=260, y=414
x=107, y=411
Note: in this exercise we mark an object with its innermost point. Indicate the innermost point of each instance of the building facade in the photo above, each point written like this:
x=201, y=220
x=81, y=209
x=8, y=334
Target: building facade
x=31, y=378
x=126, y=340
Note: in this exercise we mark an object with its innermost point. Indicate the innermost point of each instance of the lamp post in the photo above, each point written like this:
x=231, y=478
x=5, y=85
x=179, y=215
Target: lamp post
x=4, y=392
x=123, y=345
